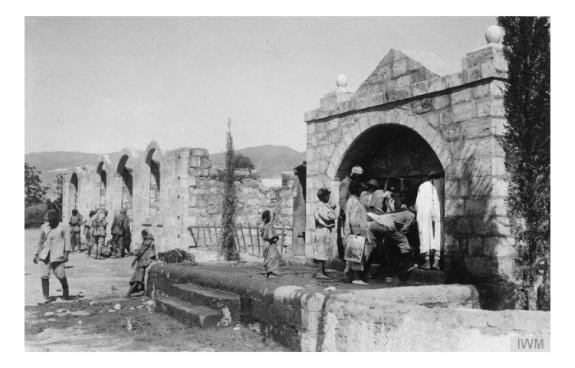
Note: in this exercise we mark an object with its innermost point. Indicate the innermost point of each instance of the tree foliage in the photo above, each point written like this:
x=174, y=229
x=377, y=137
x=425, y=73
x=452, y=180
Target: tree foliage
x=228, y=248
x=34, y=191
x=59, y=186
x=527, y=147
x=59, y=189
x=243, y=162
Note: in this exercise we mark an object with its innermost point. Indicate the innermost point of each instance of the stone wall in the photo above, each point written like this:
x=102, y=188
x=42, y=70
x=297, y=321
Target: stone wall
x=189, y=192
x=253, y=199
x=351, y=323
x=454, y=119
x=410, y=318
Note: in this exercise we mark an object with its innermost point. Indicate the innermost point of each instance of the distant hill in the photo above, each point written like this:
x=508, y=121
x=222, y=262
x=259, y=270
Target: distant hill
x=52, y=163
x=270, y=160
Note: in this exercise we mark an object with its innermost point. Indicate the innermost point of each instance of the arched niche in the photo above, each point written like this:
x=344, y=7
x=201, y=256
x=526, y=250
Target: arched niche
x=153, y=160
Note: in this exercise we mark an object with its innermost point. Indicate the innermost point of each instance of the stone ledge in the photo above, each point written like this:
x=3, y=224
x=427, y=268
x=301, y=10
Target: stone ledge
x=448, y=82
x=351, y=320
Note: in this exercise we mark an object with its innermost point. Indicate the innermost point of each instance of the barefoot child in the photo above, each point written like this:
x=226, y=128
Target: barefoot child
x=271, y=253
x=325, y=217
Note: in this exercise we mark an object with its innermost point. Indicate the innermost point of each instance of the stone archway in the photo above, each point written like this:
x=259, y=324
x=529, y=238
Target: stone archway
x=396, y=147
x=366, y=123
x=392, y=154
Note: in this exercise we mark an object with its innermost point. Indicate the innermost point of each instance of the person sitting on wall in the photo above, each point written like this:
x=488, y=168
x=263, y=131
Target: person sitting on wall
x=428, y=211
x=323, y=250
x=356, y=224
x=383, y=228
x=272, y=256
x=404, y=221
x=144, y=257
x=75, y=229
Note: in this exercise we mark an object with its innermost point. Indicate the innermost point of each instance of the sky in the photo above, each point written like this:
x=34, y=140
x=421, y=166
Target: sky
x=99, y=84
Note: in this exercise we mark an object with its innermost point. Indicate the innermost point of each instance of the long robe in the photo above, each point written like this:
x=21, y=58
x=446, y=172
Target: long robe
x=272, y=255
x=428, y=217
x=356, y=224
x=145, y=256
x=323, y=247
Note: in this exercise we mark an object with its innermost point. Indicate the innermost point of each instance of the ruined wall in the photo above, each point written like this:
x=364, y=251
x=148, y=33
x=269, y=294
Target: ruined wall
x=189, y=192
x=253, y=199
x=459, y=116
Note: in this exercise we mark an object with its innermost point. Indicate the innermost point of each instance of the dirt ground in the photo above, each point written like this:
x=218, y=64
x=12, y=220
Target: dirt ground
x=99, y=319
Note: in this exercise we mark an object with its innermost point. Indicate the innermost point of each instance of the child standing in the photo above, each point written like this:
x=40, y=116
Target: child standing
x=271, y=253
x=325, y=217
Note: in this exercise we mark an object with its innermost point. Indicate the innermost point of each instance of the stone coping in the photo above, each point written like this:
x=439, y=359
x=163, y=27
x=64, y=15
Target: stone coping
x=247, y=277
x=467, y=76
x=422, y=318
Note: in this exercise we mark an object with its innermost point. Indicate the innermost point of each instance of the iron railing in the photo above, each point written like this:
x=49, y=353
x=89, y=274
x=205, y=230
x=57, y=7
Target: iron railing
x=248, y=239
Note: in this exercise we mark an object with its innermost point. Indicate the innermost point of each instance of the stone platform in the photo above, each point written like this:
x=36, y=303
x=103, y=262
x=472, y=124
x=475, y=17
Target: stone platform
x=305, y=314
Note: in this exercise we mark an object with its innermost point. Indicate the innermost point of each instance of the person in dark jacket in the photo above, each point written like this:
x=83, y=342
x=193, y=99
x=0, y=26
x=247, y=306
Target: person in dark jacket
x=120, y=230
x=75, y=229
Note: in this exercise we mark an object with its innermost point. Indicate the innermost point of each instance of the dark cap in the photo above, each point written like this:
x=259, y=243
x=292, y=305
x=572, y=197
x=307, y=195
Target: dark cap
x=373, y=183
x=323, y=191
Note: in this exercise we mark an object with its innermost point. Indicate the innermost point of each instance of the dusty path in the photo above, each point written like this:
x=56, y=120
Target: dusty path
x=100, y=320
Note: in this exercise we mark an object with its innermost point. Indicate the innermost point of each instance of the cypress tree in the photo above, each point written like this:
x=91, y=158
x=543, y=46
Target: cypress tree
x=228, y=247
x=527, y=145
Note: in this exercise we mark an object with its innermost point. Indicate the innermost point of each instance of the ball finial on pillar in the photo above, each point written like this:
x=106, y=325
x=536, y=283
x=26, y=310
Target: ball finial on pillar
x=341, y=81
x=494, y=34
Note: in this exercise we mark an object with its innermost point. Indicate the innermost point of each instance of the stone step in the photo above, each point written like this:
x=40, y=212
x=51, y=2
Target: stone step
x=188, y=314
x=207, y=297
x=428, y=277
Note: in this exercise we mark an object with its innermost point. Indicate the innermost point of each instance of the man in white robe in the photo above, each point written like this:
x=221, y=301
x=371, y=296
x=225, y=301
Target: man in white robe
x=429, y=221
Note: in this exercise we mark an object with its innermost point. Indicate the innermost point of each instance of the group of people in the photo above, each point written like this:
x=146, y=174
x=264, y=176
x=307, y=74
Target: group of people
x=57, y=240
x=380, y=223
x=95, y=231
